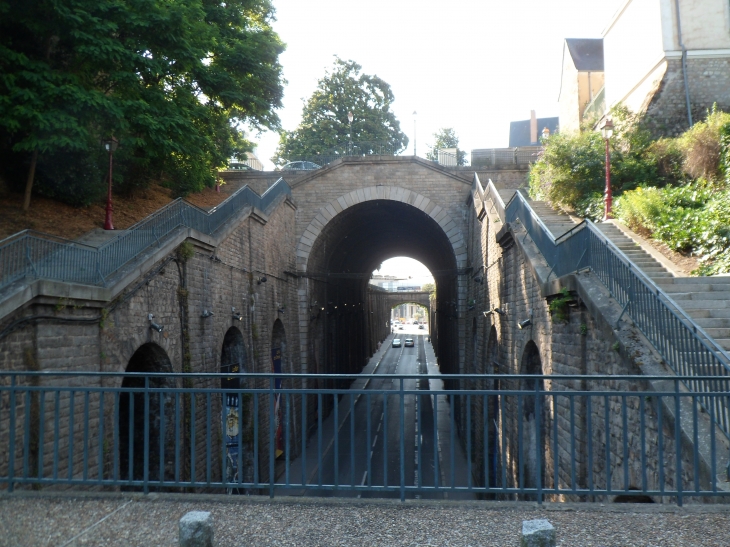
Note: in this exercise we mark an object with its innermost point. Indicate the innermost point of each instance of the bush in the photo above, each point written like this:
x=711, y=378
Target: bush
x=690, y=218
x=702, y=146
x=572, y=169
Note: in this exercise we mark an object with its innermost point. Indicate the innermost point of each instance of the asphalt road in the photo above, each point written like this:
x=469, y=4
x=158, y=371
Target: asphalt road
x=371, y=442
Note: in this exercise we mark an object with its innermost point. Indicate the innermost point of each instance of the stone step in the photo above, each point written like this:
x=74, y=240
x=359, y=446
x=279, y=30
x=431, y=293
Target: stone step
x=708, y=313
x=713, y=279
x=671, y=288
x=700, y=295
x=718, y=333
x=705, y=304
x=713, y=322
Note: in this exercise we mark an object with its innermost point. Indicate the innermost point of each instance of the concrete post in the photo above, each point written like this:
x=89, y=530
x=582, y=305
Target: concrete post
x=196, y=529
x=537, y=533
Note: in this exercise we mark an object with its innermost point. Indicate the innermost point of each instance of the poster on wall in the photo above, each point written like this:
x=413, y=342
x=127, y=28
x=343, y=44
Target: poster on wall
x=279, y=422
x=231, y=414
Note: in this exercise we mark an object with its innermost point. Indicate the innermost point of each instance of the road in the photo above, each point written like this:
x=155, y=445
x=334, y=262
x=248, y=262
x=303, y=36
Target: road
x=369, y=446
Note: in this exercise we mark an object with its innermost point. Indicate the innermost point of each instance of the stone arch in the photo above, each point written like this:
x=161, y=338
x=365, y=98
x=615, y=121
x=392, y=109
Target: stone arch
x=159, y=418
x=533, y=418
x=382, y=192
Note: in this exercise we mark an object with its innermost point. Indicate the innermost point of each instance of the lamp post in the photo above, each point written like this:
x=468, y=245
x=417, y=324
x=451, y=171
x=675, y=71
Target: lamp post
x=414, y=133
x=110, y=145
x=350, y=117
x=545, y=134
x=607, y=130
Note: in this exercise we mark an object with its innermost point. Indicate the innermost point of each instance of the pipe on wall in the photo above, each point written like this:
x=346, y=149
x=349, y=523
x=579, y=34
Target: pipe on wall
x=684, y=63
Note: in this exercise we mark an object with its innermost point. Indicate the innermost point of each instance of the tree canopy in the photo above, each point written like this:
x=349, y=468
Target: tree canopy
x=445, y=138
x=325, y=128
x=169, y=79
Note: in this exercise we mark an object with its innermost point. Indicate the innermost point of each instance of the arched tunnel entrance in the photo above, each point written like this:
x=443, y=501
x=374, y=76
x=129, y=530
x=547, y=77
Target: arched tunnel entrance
x=353, y=244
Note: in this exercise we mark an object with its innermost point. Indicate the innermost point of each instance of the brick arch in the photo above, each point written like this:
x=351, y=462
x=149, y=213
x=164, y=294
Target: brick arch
x=392, y=193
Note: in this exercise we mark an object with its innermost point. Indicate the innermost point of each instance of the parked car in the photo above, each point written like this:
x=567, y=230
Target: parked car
x=396, y=342
x=409, y=342
x=300, y=166
x=237, y=166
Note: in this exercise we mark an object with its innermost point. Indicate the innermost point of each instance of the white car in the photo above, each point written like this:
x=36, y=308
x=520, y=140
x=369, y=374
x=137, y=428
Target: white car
x=396, y=342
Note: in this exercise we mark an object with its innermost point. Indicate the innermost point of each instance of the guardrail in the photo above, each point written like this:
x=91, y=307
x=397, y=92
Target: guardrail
x=261, y=433
x=31, y=255
x=681, y=342
x=496, y=157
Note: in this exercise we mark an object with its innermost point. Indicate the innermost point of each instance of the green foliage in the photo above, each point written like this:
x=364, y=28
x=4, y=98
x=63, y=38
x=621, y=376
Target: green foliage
x=185, y=251
x=445, y=138
x=325, y=126
x=703, y=148
x=170, y=79
x=559, y=306
x=429, y=288
x=691, y=218
x=572, y=169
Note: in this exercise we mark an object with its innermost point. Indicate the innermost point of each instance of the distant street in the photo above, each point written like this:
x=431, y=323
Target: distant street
x=378, y=444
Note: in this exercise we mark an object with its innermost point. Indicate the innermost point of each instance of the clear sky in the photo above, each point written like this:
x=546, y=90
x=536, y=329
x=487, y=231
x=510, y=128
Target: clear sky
x=474, y=65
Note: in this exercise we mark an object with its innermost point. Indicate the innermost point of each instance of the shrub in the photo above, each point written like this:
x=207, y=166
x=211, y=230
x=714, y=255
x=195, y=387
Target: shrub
x=702, y=148
x=572, y=169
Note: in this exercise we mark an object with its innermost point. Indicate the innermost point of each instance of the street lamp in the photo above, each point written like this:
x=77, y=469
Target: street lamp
x=350, y=117
x=414, y=133
x=607, y=130
x=110, y=145
x=545, y=134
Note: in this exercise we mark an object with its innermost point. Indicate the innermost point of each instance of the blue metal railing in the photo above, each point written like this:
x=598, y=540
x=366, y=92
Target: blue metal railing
x=170, y=431
x=681, y=342
x=31, y=255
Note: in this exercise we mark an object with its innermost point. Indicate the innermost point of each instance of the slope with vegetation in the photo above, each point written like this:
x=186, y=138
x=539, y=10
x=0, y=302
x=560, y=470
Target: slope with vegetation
x=676, y=191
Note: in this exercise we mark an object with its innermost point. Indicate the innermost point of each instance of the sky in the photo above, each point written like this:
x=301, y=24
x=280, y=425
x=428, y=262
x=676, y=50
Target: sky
x=472, y=65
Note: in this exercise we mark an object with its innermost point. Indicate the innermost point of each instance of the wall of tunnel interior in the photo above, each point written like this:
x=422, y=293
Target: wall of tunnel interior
x=348, y=316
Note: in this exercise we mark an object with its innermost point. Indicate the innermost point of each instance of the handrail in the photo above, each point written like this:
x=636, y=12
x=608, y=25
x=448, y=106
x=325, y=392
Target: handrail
x=683, y=344
x=41, y=256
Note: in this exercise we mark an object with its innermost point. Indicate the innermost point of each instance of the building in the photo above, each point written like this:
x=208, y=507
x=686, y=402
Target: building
x=581, y=97
x=528, y=132
x=667, y=59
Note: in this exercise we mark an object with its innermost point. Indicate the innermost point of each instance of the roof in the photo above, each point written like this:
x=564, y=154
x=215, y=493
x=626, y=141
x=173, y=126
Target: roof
x=519, y=132
x=587, y=53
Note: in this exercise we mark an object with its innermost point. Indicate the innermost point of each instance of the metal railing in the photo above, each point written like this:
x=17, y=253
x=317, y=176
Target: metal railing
x=166, y=432
x=496, y=157
x=681, y=342
x=347, y=149
x=31, y=255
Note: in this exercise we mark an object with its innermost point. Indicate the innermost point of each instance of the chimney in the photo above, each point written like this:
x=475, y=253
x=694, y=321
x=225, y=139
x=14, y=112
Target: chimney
x=533, y=127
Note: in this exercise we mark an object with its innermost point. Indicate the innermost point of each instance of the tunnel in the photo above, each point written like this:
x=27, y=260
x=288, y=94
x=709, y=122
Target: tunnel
x=347, y=318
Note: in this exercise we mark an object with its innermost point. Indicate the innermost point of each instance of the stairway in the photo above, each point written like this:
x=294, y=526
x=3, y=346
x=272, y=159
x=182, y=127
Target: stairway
x=706, y=300
x=633, y=251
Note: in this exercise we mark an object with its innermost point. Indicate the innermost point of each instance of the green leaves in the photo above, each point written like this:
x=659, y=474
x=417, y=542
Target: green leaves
x=171, y=79
x=325, y=126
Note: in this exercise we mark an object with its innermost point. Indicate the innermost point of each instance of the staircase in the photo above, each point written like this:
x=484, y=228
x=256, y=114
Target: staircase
x=634, y=252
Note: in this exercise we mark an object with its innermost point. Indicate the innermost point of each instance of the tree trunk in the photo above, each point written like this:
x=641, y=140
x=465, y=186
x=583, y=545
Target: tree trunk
x=29, y=182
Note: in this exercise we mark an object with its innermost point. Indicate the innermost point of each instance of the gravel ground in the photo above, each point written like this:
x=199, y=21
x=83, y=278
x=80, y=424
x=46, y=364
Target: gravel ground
x=131, y=520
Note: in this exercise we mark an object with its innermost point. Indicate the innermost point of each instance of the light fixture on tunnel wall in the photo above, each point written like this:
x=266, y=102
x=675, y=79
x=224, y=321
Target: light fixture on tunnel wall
x=153, y=325
x=500, y=311
x=261, y=279
x=237, y=316
x=524, y=324
x=206, y=314
x=478, y=279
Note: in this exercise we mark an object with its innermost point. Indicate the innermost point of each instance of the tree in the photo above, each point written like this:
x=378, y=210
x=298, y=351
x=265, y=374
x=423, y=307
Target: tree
x=325, y=128
x=446, y=138
x=170, y=79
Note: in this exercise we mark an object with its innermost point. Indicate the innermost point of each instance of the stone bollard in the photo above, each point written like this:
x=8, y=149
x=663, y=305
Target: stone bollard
x=196, y=529
x=537, y=533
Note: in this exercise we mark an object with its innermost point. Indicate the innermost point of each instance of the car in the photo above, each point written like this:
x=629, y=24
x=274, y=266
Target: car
x=396, y=342
x=400, y=328
x=421, y=327
x=237, y=166
x=409, y=342
x=300, y=166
